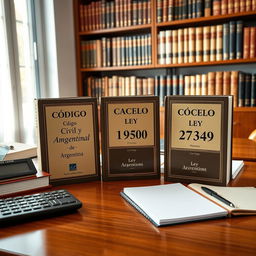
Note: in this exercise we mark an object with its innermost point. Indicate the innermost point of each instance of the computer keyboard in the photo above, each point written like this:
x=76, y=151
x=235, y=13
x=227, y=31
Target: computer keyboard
x=41, y=205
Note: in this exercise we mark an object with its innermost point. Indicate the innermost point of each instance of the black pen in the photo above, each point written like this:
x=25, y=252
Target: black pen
x=214, y=194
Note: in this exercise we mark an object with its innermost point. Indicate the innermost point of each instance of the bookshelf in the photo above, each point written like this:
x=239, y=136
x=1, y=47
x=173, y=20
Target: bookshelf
x=152, y=27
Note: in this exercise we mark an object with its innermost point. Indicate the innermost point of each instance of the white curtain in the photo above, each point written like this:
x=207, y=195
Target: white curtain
x=17, y=73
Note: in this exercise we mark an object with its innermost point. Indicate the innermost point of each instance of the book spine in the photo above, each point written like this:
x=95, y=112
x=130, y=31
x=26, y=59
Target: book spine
x=168, y=85
x=170, y=10
x=248, y=5
x=175, y=84
x=198, y=85
x=181, y=84
x=192, y=85
x=187, y=85
x=253, y=91
x=216, y=7
x=230, y=6
x=219, y=42
x=219, y=83
x=232, y=40
x=168, y=35
x=186, y=45
x=159, y=8
x=162, y=88
x=204, y=84
x=191, y=35
x=247, y=90
x=239, y=39
x=242, y=6
x=175, y=46
x=252, y=42
x=180, y=46
x=246, y=50
x=226, y=41
x=150, y=82
x=213, y=43
x=224, y=7
x=211, y=83
x=241, y=91
x=199, y=44
x=207, y=8
x=236, y=6
x=234, y=87
x=226, y=83
x=206, y=43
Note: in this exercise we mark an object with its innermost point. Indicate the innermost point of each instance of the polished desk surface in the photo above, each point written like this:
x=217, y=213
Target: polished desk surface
x=108, y=225
x=244, y=149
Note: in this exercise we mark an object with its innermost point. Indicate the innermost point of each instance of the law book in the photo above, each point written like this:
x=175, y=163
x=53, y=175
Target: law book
x=198, y=85
x=211, y=83
x=246, y=48
x=181, y=46
x=219, y=83
x=247, y=90
x=219, y=42
x=226, y=83
x=207, y=8
x=241, y=89
x=192, y=44
x=199, y=44
x=252, y=42
x=213, y=43
x=230, y=6
x=253, y=91
x=206, y=43
x=175, y=203
x=239, y=39
x=198, y=139
x=130, y=137
x=216, y=7
x=204, y=84
x=68, y=142
x=186, y=45
x=234, y=86
x=175, y=46
x=224, y=7
x=192, y=85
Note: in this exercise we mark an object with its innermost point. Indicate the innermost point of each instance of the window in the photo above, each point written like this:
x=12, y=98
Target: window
x=18, y=71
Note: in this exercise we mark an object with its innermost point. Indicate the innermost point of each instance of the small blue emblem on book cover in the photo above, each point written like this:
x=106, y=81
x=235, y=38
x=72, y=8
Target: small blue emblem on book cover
x=72, y=167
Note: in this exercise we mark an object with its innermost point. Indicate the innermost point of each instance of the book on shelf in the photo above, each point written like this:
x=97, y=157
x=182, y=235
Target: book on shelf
x=17, y=150
x=25, y=184
x=175, y=203
x=198, y=139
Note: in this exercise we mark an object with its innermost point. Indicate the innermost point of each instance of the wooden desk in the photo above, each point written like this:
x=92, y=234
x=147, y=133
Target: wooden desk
x=108, y=225
x=244, y=149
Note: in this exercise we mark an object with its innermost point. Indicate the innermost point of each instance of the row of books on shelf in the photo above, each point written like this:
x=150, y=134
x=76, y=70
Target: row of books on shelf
x=116, y=51
x=104, y=14
x=169, y=10
x=209, y=43
x=239, y=84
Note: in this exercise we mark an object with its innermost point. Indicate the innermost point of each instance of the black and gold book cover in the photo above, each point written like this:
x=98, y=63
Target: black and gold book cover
x=198, y=139
x=130, y=137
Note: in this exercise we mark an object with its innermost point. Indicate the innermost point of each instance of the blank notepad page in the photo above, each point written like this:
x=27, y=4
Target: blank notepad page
x=173, y=203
